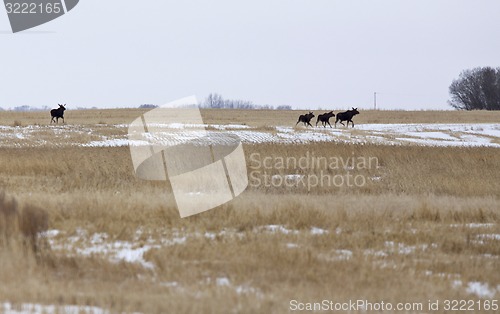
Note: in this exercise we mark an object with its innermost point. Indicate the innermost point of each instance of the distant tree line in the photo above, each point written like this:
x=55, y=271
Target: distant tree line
x=216, y=101
x=29, y=108
x=26, y=108
x=148, y=106
x=476, y=89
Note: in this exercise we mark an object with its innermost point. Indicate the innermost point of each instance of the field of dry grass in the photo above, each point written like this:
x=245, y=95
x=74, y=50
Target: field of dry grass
x=423, y=226
x=255, y=118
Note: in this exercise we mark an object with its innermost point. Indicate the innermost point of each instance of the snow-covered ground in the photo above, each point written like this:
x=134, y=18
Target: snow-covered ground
x=83, y=243
x=101, y=245
x=391, y=134
x=486, y=134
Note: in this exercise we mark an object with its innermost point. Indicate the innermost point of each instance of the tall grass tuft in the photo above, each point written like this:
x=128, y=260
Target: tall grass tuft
x=20, y=224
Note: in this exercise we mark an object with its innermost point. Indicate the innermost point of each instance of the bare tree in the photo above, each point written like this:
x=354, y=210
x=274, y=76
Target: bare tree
x=214, y=101
x=478, y=88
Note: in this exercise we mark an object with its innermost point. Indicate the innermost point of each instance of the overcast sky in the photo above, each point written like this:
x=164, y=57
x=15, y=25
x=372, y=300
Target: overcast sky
x=304, y=53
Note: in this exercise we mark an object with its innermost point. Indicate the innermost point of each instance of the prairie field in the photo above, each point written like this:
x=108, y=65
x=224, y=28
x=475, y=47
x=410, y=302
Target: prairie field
x=340, y=215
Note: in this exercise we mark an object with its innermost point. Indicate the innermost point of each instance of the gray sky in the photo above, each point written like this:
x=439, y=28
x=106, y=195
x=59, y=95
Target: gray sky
x=304, y=53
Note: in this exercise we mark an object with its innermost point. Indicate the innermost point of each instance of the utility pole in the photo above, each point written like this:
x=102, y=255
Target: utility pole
x=375, y=101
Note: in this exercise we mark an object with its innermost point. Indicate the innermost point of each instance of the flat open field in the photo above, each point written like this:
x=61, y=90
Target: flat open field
x=255, y=118
x=403, y=209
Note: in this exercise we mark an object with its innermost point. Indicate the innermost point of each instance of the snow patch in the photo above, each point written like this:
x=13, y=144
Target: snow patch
x=116, y=143
x=32, y=308
x=489, y=237
x=344, y=254
x=278, y=229
x=480, y=289
x=474, y=225
x=97, y=244
x=318, y=231
x=223, y=281
x=336, y=255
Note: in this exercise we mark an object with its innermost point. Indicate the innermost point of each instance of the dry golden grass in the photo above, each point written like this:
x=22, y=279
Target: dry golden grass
x=276, y=117
x=91, y=116
x=254, y=118
x=403, y=237
x=21, y=226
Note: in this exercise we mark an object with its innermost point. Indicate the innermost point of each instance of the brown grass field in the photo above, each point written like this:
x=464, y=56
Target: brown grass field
x=424, y=227
x=254, y=118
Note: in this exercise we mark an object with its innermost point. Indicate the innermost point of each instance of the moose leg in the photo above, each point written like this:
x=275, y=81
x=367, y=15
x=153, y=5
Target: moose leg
x=328, y=123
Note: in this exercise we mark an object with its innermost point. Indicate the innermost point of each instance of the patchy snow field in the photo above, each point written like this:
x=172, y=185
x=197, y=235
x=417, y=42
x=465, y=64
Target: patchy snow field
x=141, y=244
x=388, y=134
x=101, y=245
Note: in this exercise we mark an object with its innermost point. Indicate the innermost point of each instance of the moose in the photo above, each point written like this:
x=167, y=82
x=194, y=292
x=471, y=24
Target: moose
x=346, y=116
x=324, y=118
x=306, y=119
x=57, y=113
